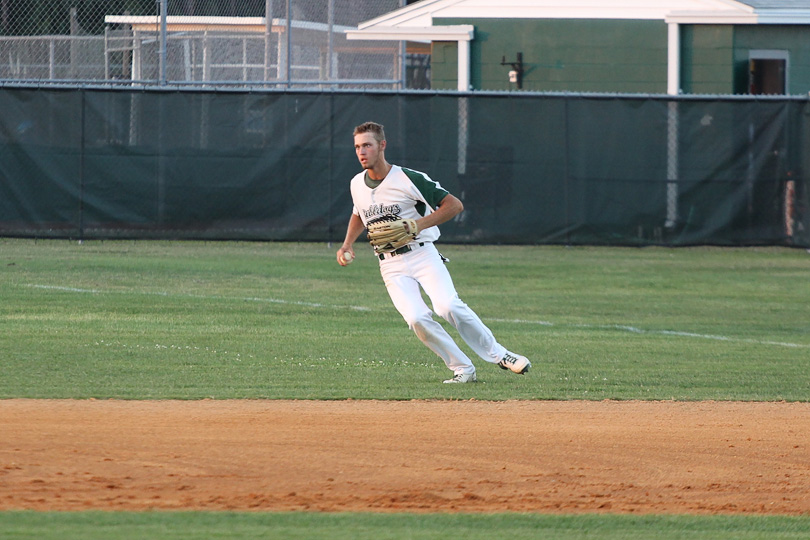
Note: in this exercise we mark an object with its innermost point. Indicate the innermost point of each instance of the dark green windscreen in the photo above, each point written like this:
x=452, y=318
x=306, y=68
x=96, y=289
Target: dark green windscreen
x=530, y=168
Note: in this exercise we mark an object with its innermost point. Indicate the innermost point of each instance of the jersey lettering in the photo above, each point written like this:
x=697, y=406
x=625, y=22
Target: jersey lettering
x=376, y=210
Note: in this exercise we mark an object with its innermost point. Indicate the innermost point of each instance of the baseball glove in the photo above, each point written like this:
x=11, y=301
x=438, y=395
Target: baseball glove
x=389, y=233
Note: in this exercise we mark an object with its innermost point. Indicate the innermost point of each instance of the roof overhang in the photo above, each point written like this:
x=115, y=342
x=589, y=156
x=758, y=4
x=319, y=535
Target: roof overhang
x=762, y=16
x=422, y=14
x=784, y=16
x=424, y=34
x=183, y=23
x=425, y=12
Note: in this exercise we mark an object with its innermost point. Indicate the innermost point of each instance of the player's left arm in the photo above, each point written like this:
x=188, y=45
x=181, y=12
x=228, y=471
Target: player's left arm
x=445, y=205
x=448, y=208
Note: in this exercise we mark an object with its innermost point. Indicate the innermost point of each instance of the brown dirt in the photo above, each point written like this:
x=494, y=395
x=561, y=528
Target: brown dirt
x=418, y=456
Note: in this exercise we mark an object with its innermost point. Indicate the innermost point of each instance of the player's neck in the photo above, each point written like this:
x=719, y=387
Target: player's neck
x=379, y=171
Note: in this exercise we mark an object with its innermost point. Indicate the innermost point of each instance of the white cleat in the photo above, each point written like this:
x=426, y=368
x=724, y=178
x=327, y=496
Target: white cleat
x=461, y=378
x=515, y=362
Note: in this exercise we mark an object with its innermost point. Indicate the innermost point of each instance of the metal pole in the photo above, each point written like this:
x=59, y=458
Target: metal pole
x=289, y=43
x=51, y=59
x=403, y=59
x=75, y=31
x=268, y=32
x=107, y=53
x=164, y=9
x=82, y=152
x=673, y=89
x=331, y=44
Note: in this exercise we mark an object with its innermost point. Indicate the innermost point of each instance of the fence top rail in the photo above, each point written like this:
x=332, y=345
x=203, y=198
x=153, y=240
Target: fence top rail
x=283, y=86
x=52, y=37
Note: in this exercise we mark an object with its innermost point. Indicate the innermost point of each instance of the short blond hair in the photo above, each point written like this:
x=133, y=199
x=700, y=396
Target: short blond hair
x=373, y=128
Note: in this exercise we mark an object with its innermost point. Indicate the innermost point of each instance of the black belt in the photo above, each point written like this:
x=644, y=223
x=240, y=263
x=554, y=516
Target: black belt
x=400, y=251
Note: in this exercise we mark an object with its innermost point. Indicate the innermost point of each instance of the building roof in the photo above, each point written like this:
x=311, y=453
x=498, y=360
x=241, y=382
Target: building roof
x=778, y=4
x=422, y=14
x=182, y=23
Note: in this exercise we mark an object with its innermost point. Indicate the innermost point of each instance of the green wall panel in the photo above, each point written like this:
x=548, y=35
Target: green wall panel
x=624, y=56
x=562, y=55
x=707, y=59
x=444, y=65
x=792, y=38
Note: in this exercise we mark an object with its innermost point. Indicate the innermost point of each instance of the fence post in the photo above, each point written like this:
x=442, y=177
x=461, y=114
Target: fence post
x=75, y=32
x=403, y=59
x=330, y=47
x=289, y=44
x=268, y=32
x=82, y=152
x=164, y=9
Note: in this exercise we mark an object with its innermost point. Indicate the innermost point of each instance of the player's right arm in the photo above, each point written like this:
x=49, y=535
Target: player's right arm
x=353, y=231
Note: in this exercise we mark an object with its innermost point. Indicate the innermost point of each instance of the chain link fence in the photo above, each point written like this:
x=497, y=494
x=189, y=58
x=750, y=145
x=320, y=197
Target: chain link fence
x=292, y=43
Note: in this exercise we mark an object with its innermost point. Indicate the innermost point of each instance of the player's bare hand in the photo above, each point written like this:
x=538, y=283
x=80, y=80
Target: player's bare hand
x=345, y=256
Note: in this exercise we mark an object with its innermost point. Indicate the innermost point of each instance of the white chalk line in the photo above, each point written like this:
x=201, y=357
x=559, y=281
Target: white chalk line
x=201, y=297
x=635, y=330
x=625, y=328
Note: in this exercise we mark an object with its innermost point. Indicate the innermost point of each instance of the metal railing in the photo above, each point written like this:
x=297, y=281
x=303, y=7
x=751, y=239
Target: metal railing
x=293, y=43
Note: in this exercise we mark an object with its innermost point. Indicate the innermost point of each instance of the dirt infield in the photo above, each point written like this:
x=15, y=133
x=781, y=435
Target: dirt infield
x=418, y=456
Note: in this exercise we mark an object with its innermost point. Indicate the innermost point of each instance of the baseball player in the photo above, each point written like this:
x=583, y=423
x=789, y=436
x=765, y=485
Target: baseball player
x=401, y=209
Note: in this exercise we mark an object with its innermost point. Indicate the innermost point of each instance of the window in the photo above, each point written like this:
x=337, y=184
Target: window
x=768, y=72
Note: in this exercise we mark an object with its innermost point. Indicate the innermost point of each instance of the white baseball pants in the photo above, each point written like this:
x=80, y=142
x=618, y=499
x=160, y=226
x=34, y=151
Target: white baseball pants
x=404, y=274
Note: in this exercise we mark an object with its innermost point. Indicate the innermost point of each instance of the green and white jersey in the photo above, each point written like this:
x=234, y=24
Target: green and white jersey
x=403, y=193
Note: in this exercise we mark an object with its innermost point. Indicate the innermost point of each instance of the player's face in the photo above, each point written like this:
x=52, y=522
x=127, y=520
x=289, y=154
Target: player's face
x=368, y=150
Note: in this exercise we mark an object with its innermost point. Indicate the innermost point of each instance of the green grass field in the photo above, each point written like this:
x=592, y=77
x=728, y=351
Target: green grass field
x=192, y=320
x=305, y=526
x=153, y=320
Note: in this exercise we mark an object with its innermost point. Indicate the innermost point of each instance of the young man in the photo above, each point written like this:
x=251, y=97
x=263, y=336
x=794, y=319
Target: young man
x=388, y=191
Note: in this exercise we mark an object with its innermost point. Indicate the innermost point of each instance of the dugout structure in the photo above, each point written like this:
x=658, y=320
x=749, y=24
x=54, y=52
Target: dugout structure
x=173, y=162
